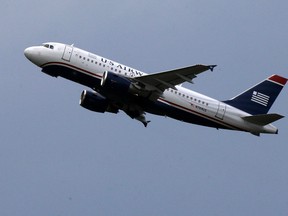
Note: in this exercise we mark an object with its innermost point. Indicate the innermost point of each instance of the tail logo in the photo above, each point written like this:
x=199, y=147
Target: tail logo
x=260, y=98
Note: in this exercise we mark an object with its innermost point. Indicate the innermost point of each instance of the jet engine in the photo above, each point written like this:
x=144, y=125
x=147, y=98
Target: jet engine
x=114, y=84
x=95, y=102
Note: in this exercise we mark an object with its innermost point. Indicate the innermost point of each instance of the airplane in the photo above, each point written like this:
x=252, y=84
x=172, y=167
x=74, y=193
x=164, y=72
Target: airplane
x=115, y=86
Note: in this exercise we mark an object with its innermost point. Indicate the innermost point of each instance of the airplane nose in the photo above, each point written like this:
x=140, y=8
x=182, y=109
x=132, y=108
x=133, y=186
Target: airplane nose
x=33, y=54
x=28, y=53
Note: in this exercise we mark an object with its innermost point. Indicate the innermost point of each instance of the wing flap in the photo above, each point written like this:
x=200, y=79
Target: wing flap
x=263, y=119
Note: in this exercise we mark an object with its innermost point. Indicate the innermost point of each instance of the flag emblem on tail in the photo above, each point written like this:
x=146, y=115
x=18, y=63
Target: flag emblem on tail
x=260, y=98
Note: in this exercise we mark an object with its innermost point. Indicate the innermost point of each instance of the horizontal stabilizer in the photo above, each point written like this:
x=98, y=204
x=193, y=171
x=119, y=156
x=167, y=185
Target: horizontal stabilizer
x=263, y=119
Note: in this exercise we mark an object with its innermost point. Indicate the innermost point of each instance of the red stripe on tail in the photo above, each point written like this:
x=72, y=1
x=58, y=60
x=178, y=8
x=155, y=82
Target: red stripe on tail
x=278, y=79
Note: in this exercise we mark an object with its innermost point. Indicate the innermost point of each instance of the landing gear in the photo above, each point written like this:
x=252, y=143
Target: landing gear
x=142, y=119
x=138, y=114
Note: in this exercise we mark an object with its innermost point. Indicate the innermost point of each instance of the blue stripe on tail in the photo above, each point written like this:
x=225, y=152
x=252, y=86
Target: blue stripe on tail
x=259, y=99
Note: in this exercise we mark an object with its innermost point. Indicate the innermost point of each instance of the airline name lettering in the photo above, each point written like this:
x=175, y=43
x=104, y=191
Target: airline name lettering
x=122, y=67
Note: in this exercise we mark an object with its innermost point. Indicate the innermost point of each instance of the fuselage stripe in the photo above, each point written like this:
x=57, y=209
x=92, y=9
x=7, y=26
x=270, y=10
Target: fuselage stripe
x=71, y=66
x=200, y=114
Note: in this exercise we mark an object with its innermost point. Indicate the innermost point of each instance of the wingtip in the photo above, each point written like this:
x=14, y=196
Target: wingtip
x=211, y=67
x=146, y=123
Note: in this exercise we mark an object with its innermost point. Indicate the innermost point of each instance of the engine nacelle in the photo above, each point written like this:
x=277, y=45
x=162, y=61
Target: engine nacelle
x=114, y=84
x=93, y=101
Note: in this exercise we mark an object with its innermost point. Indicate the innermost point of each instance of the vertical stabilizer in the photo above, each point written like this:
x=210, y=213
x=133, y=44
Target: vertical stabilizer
x=259, y=99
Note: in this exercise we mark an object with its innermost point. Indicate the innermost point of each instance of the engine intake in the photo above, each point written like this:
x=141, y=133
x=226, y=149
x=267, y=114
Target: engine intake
x=114, y=84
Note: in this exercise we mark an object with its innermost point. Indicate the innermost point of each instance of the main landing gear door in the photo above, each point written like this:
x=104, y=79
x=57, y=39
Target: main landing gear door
x=67, y=53
x=221, y=111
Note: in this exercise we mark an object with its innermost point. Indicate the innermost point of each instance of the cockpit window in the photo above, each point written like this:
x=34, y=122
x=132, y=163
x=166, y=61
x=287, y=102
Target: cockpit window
x=48, y=46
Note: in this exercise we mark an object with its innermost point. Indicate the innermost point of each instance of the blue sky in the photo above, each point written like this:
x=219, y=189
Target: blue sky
x=57, y=158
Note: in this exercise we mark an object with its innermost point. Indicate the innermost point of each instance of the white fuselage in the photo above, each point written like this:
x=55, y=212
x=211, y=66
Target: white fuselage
x=182, y=99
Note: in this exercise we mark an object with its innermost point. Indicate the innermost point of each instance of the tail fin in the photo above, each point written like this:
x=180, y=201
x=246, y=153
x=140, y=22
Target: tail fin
x=259, y=99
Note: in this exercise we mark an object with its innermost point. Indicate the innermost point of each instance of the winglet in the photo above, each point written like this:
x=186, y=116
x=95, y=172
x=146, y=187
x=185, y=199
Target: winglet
x=211, y=67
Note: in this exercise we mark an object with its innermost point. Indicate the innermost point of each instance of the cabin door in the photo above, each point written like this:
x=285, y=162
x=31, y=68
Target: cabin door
x=67, y=53
x=221, y=111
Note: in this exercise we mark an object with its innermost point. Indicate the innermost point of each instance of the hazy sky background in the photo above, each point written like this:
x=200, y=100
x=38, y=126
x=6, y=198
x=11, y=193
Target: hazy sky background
x=57, y=158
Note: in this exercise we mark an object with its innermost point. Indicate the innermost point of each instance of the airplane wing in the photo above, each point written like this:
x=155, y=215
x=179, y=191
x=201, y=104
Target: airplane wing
x=169, y=79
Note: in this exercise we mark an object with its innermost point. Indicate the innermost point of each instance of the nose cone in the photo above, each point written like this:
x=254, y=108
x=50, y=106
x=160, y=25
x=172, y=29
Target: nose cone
x=35, y=55
x=28, y=53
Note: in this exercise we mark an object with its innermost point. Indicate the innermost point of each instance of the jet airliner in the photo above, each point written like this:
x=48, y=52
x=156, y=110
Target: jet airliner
x=115, y=86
